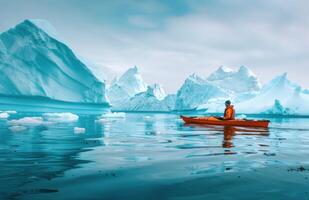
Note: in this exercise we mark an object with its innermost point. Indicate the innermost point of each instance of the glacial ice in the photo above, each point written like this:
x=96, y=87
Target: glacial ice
x=79, y=130
x=17, y=128
x=280, y=95
x=128, y=85
x=114, y=115
x=4, y=115
x=60, y=117
x=33, y=63
x=29, y=121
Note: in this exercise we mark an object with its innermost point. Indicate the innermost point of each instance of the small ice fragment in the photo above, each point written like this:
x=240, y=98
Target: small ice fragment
x=242, y=116
x=27, y=121
x=17, y=128
x=114, y=115
x=60, y=117
x=11, y=111
x=148, y=118
x=4, y=115
x=79, y=130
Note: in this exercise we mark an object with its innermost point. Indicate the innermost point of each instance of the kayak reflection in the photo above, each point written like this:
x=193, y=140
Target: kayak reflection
x=229, y=132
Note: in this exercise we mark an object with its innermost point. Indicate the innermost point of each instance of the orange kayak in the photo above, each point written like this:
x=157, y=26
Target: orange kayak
x=236, y=122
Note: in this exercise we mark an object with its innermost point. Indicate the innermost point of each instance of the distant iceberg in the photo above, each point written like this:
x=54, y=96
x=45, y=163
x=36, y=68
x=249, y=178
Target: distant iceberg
x=127, y=86
x=150, y=100
x=279, y=96
x=131, y=93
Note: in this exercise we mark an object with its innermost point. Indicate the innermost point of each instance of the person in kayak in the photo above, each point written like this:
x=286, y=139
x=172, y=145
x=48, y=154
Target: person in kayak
x=229, y=112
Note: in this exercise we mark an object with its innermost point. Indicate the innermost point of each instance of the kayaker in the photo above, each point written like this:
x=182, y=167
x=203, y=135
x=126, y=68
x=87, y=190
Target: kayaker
x=229, y=112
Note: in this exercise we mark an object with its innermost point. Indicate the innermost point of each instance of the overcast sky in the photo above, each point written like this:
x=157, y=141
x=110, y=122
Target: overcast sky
x=169, y=40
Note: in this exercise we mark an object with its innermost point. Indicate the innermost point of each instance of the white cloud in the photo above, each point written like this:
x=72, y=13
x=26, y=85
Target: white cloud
x=270, y=36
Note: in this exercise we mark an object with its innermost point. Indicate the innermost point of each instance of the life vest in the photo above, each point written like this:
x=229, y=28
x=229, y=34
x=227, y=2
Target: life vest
x=229, y=113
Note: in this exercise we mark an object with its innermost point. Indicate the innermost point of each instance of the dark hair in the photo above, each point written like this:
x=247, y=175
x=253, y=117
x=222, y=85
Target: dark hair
x=228, y=102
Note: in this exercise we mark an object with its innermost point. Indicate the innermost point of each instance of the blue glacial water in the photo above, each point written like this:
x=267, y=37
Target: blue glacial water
x=153, y=156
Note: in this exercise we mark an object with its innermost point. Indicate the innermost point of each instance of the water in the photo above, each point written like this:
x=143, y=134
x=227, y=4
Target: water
x=153, y=156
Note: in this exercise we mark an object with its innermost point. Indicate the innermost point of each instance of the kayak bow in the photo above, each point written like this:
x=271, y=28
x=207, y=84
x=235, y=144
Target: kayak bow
x=236, y=122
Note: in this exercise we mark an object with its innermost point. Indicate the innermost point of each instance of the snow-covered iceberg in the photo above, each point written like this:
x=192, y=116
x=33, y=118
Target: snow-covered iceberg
x=131, y=93
x=127, y=86
x=210, y=93
x=197, y=91
x=241, y=81
x=34, y=63
x=279, y=96
x=150, y=100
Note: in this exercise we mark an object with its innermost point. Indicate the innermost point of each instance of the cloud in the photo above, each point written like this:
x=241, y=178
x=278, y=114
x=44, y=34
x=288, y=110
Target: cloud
x=141, y=22
x=169, y=41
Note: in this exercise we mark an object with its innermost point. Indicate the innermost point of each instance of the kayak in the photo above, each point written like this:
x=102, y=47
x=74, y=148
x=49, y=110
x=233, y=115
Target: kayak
x=219, y=122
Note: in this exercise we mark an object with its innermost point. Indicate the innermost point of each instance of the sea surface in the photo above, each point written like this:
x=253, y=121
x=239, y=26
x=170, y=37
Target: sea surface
x=151, y=156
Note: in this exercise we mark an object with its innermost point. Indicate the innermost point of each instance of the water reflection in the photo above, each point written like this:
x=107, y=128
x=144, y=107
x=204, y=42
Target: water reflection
x=229, y=132
x=42, y=153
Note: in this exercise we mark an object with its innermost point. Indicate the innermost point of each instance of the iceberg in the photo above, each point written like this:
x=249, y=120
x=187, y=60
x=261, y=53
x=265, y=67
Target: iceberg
x=127, y=86
x=278, y=109
x=30, y=121
x=17, y=128
x=4, y=115
x=196, y=91
x=114, y=115
x=279, y=96
x=150, y=100
x=241, y=81
x=79, y=130
x=33, y=63
x=60, y=117
x=170, y=101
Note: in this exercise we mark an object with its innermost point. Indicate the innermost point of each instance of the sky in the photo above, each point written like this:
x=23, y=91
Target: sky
x=170, y=39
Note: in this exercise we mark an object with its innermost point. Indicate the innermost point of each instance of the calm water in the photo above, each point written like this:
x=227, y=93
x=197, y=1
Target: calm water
x=153, y=156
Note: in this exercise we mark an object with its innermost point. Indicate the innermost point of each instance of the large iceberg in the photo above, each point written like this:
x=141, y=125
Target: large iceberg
x=210, y=93
x=241, y=84
x=279, y=96
x=196, y=91
x=34, y=63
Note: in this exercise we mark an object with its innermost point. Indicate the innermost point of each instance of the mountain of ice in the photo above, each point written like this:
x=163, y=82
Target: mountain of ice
x=150, y=100
x=210, y=94
x=243, y=83
x=196, y=91
x=127, y=86
x=280, y=95
x=34, y=63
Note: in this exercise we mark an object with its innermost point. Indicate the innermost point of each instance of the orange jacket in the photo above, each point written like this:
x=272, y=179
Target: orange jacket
x=229, y=113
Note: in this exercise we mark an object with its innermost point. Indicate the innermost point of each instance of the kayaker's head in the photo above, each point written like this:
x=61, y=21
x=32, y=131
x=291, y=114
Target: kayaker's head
x=227, y=103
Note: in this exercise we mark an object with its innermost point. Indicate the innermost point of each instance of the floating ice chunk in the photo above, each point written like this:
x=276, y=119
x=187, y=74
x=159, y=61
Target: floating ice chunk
x=114, y=115
x=4, y=115
x=60, y=117
x=11, y=111
x=27, y=121
x=17, y=128
x=148, y=118
x=79, y=130
x=241, y=116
